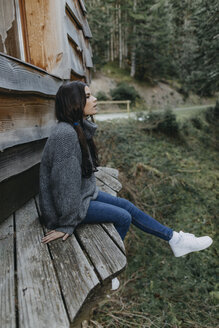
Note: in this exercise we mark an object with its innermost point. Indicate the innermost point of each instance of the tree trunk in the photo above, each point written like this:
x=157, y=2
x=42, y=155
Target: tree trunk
x=120, y=36
x=133, y=52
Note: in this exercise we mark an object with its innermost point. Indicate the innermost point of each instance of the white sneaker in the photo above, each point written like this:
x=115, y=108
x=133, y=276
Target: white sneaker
x=115, y=283
x=184, y=243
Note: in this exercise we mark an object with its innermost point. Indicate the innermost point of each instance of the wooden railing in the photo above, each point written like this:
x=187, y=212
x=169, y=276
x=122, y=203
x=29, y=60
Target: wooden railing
x=115, y=102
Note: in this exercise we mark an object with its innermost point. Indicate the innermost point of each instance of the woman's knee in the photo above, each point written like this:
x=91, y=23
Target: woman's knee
x=126, y=204
x=127, y=219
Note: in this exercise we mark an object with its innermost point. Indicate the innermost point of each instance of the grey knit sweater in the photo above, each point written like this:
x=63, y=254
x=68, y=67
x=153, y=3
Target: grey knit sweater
x=64, y=195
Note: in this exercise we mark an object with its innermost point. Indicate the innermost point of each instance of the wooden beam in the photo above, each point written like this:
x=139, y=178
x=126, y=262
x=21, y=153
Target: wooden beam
x=18, y=159
x=17, y=190
x=22, y=77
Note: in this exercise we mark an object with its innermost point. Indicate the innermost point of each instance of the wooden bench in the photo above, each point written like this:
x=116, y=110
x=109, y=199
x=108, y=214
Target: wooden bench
x=56, y=285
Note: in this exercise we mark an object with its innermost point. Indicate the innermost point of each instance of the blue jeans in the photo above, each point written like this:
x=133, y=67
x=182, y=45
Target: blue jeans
x=121, y=212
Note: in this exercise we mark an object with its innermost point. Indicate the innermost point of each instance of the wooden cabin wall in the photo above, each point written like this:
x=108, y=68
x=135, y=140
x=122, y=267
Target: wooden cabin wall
x=45, y=35
x=55, y=39
x=27, y=99
x=54, y=30
x=53, y=35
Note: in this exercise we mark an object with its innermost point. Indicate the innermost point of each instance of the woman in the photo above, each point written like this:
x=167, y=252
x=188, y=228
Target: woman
x=68, y=192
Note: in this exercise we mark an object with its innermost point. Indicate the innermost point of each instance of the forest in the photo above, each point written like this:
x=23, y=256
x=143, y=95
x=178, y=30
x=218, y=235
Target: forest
x=159, y=39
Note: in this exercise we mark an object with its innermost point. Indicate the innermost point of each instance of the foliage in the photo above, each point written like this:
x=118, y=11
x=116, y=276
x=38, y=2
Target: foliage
x=164, y=122
x=196, y=45
x=124, y=91
x=177, y=184
x=161, y=38
x=101, y=96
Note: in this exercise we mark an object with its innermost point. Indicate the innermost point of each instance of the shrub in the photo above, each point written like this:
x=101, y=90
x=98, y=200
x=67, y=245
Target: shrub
x=197, y=123
x=164, y=122
x=212, y=114
x=124, y=91
x=101, y=96
x=169, y=125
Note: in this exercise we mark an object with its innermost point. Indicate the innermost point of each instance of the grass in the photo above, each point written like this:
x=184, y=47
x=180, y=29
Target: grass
x=113, y=71
x=176, y=181
x=186, y=113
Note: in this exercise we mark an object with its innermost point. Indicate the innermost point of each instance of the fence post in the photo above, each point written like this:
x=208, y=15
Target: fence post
x=128, y=107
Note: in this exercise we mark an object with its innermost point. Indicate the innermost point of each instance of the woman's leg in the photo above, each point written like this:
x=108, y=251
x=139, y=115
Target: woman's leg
x=101, y=212
x=140, y=219
x=181, y=243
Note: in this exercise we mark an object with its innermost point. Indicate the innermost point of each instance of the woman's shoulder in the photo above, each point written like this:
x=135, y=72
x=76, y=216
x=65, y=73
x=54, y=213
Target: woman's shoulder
x=63, y=128
x=62, y=135
x=63, y=141
x=63, y=131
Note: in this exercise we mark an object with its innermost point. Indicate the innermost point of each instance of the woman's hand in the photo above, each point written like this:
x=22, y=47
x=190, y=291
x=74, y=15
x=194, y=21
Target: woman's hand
x=52, y=235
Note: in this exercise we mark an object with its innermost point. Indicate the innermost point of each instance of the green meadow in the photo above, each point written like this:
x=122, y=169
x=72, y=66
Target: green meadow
x=169, y=168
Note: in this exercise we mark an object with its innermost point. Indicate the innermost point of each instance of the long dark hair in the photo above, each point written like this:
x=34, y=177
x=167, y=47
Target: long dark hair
x=69, y=107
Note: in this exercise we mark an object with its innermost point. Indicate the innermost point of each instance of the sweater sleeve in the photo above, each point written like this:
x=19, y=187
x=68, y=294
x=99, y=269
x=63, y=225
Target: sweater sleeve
x=66, y=182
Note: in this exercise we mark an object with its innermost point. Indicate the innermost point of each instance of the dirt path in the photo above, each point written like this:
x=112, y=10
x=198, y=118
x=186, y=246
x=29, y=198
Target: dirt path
x=185, y=111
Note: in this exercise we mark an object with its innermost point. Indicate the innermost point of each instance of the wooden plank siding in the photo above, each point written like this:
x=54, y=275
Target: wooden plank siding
x=22, y=77
x=78, y=33
x=76, y=59
x=39, y=32
x=27, y=96
x=72, y=32
x=57, y=22
x=83, y=19
x=70, y=5
x=81, y=2
x=86, y=53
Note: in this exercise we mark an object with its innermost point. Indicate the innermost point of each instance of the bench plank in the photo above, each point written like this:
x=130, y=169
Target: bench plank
x=103, y=252
x=113, y=233
x=109, y=170
x=39, y=297
x=108, y=180
x=105, y=188
x=7, y=283
x=76, y=276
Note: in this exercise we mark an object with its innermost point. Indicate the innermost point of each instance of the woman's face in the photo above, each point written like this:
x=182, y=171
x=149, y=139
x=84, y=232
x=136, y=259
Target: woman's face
x=91, y=103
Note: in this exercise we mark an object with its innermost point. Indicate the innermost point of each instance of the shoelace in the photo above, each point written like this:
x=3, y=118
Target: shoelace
x=181, y=234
